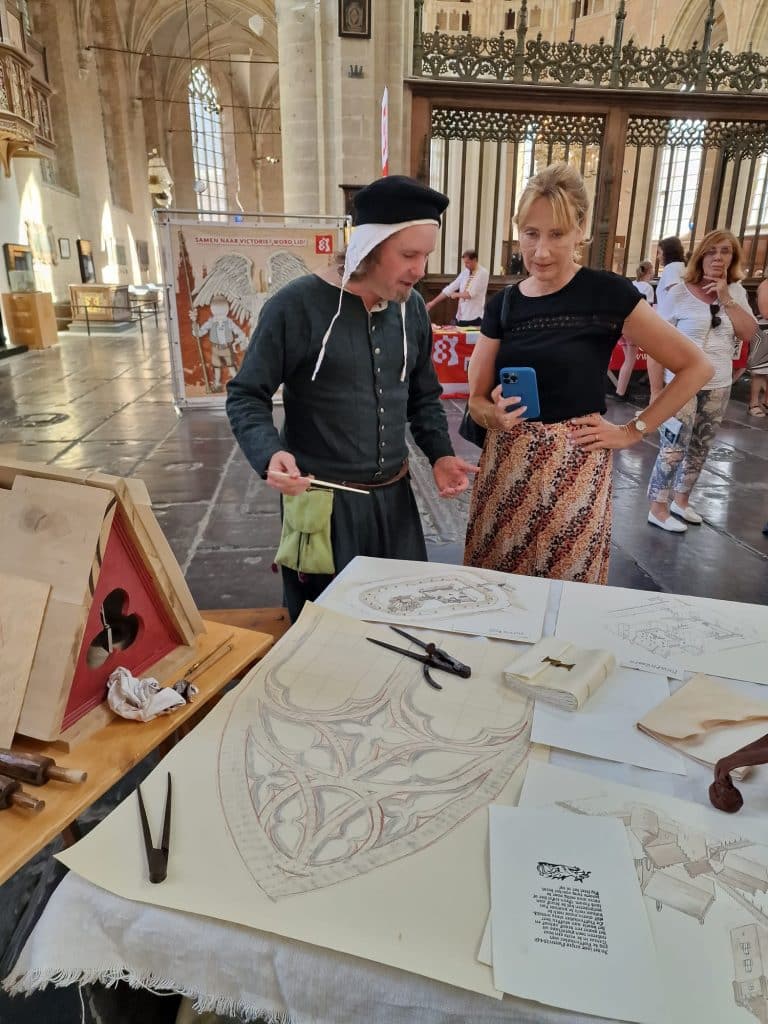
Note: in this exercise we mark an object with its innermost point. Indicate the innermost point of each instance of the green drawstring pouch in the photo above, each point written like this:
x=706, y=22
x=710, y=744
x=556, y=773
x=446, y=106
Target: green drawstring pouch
x=305, y=542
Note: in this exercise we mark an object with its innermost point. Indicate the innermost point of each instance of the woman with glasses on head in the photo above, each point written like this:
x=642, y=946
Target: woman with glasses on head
x=710, y=306
x=541, y=504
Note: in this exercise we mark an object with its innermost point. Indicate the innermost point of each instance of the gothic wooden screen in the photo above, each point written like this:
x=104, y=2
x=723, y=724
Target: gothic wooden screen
x=682, y=176
x=482, y=159
x=670, y=142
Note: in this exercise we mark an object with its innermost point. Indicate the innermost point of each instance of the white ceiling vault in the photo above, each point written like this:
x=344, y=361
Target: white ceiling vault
x=216, y=29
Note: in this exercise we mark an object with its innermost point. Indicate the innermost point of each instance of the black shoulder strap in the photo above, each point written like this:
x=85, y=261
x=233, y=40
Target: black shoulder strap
x=506, y=304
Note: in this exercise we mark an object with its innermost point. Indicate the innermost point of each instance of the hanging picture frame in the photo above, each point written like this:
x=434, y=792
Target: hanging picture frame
x=355, y=19
x=65, y=250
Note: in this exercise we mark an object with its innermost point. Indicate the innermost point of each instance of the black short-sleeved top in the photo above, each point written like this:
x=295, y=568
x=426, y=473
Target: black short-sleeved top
x=567, y=337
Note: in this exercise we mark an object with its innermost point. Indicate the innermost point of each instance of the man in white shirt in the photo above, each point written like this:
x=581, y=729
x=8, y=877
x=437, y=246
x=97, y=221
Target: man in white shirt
x=469, y=288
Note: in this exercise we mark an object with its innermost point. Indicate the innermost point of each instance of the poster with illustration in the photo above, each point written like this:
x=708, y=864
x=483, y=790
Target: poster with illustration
x=219, y=278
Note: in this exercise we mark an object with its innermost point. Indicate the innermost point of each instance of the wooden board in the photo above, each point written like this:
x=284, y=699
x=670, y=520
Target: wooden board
x=109, y=754
x=56, y=656
x=137, y=508
x=51, y=534
x=22, y=607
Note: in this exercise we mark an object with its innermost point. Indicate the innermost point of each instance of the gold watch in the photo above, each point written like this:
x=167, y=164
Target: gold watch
x=640, y=426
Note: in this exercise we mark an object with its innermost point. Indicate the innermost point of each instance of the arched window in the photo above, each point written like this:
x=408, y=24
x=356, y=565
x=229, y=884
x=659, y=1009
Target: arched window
x=207, y=144
x=677, y=186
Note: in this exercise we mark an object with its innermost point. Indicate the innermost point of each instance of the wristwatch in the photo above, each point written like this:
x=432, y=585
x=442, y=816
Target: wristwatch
x=640, y=426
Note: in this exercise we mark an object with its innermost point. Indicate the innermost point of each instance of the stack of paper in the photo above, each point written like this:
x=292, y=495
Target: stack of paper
x=559, y=672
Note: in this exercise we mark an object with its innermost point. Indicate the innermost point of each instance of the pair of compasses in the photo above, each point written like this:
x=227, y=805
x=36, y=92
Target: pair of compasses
x=157, y=857
x=434, y=658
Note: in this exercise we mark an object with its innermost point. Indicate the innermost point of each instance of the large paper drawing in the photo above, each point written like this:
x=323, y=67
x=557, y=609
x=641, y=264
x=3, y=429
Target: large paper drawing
x=453, y=598
x=321, y=782
x=335, y=798
x=706, y=889
x=668, y=633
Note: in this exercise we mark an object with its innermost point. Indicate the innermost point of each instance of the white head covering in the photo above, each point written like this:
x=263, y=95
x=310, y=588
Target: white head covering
x=364, y=240
x=380, y=210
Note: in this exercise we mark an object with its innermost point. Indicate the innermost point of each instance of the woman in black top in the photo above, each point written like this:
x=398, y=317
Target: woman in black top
x=541, y=504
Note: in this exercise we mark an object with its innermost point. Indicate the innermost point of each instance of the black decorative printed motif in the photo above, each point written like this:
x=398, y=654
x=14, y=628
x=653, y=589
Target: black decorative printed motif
x=561, y=872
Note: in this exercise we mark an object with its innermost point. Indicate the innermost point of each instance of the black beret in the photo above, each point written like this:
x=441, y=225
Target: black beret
x=396, y=199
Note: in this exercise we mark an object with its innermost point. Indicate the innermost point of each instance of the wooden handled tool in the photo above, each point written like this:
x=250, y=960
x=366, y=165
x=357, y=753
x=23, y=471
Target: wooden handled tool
x=12, y=793
x=36, y=769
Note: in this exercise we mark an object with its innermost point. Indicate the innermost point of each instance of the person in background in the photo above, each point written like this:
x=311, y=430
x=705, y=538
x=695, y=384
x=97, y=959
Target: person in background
x=643, y=284
x=709, y=306
x=541, y=504
x=352, y=347
x=469, y=288
x=672, y=258
x=757, y=364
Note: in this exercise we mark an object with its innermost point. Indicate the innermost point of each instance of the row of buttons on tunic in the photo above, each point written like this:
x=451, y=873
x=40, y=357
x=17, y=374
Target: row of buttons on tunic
x=377, y=352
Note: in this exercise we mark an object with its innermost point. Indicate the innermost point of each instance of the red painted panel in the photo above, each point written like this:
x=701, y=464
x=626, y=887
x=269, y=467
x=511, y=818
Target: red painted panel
x=122, y=569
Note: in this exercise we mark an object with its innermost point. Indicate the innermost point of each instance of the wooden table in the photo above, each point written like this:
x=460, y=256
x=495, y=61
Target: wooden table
x=113, y=751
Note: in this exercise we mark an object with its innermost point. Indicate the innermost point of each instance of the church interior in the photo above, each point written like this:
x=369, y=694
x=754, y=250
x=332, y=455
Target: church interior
x=132, y=129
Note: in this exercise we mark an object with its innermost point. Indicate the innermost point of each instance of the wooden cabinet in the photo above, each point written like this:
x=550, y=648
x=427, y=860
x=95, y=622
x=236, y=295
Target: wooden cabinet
x=30, y=319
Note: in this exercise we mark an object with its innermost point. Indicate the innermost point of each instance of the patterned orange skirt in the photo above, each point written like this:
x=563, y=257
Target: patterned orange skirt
x=541, y=506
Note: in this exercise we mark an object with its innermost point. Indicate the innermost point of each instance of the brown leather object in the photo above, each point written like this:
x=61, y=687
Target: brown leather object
x=722, y=793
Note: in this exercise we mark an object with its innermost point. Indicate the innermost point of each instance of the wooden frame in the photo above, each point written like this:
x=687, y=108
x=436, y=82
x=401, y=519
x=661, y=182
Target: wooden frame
x=19, y=267
x=64, y=248
x=17, y=257
x=355, y=19
x=85, y=258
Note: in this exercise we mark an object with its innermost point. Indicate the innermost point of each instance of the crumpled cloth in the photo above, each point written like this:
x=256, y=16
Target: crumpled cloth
x=140, y=699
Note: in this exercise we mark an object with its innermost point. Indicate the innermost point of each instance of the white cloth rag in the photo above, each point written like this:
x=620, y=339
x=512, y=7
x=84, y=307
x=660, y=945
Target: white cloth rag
x=140, y=699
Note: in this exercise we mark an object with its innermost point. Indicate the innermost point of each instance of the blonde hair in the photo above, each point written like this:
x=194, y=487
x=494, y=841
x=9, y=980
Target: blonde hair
x=643, y=268
x=694, y=271
x=564, y=189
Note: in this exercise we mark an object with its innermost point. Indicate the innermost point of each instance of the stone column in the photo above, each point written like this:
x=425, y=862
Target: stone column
x=299, y=78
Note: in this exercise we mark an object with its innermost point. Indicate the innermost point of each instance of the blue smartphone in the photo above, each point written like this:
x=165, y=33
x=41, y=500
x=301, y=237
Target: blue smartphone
x=521, y=382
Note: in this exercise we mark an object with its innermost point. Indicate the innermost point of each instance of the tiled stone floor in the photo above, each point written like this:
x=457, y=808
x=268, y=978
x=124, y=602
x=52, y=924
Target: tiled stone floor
x=106, y=403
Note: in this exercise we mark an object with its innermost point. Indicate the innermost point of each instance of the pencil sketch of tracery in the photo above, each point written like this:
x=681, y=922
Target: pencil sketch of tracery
x=438, y=597
x=686, y=870
x=452, y=598
x=335, y=762
x=670, y=628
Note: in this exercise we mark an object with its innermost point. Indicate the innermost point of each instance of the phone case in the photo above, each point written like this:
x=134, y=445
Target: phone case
x=521, y=382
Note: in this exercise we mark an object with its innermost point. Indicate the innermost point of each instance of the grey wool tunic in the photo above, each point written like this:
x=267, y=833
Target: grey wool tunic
x=349, y=423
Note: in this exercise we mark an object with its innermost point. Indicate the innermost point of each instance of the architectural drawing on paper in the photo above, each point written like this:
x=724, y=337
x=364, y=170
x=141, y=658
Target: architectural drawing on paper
x=452, y=598
x=334, y=762
x=438, y=597
x=686, y=870
x=671, y=627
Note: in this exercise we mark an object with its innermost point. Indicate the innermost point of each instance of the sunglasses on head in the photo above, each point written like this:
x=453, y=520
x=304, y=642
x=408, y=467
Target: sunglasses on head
x=714, y=309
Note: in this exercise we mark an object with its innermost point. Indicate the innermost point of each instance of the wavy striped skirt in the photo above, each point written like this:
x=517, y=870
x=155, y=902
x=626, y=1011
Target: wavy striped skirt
x=541, y=506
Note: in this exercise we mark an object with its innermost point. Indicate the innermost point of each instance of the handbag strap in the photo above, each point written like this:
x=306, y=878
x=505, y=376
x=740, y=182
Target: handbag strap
x=510, y=293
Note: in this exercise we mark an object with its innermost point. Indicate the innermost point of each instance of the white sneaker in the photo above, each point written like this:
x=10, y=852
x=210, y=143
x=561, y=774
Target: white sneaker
x=670, y=525
x=689, y=514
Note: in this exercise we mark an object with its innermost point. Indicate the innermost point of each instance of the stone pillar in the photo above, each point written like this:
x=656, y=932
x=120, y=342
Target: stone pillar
x=299, y=79
x=331, y=121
